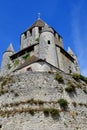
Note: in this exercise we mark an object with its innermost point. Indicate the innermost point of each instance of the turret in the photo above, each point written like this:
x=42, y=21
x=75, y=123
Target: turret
x=6, y=60
x=75, y=65
x=47, y=49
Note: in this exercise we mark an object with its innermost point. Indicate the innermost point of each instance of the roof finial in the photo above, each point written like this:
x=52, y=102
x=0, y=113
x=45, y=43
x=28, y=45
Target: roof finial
x=39, y=14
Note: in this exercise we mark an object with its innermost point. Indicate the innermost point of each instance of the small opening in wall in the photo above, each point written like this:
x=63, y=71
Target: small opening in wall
x=29, y=69
x=48, y=41
x=40, y=29
x=31, y=32
x=25, y=34
x=70, y=71
x=0, y=126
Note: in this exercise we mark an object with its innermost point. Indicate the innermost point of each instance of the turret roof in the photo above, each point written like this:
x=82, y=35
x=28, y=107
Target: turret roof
x=38, y=23
x=10, y=48
x=70, y=51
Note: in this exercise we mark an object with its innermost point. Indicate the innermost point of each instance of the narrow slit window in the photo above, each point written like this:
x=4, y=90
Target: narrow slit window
x=48, y=41
x=31, y=32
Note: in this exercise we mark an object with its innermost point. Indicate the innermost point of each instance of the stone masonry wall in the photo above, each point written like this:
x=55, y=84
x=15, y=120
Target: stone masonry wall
x=25, y=97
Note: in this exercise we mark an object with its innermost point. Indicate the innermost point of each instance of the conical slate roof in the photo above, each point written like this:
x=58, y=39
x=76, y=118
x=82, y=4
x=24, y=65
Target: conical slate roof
x=38, y=23
x=10, y=48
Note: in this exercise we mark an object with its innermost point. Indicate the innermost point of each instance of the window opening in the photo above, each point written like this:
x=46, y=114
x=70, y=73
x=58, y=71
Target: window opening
x=48, y=41
x=31, y=32
x=40, y=29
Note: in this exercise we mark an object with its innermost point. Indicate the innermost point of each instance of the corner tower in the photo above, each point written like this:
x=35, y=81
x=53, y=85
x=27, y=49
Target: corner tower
x=6, y=59
x=47, y=48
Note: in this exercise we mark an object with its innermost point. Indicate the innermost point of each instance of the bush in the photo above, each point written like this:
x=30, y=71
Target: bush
x=46, y=111
x=78, y=77
x=63, y=103
x=54, y=111
x=71, y=87
x=83, y=78
x=59, y=78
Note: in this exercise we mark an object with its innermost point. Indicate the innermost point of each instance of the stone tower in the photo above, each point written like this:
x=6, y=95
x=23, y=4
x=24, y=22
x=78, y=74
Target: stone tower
x=6, y=59
x=47, y=49
x=76, y=68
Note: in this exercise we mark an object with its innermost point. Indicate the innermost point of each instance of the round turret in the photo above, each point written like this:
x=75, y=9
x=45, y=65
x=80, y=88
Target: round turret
x=6, y=59
x=47, y=46
x=47, y=29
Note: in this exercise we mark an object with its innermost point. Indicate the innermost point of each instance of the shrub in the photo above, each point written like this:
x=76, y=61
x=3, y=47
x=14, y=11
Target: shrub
x=76, y=76
x=59, y=78
x=71, y=87
x=63, y=103
x=54, y=111
x=46, y=111
x=83, y=78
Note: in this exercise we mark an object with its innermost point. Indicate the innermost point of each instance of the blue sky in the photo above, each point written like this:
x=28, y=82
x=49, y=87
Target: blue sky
x=67, y=17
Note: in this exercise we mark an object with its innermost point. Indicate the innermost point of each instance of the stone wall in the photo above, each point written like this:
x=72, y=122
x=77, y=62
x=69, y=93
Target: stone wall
x=25, y=97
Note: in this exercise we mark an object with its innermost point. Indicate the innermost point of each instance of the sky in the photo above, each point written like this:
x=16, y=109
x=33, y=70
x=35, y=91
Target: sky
x=67, y=17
